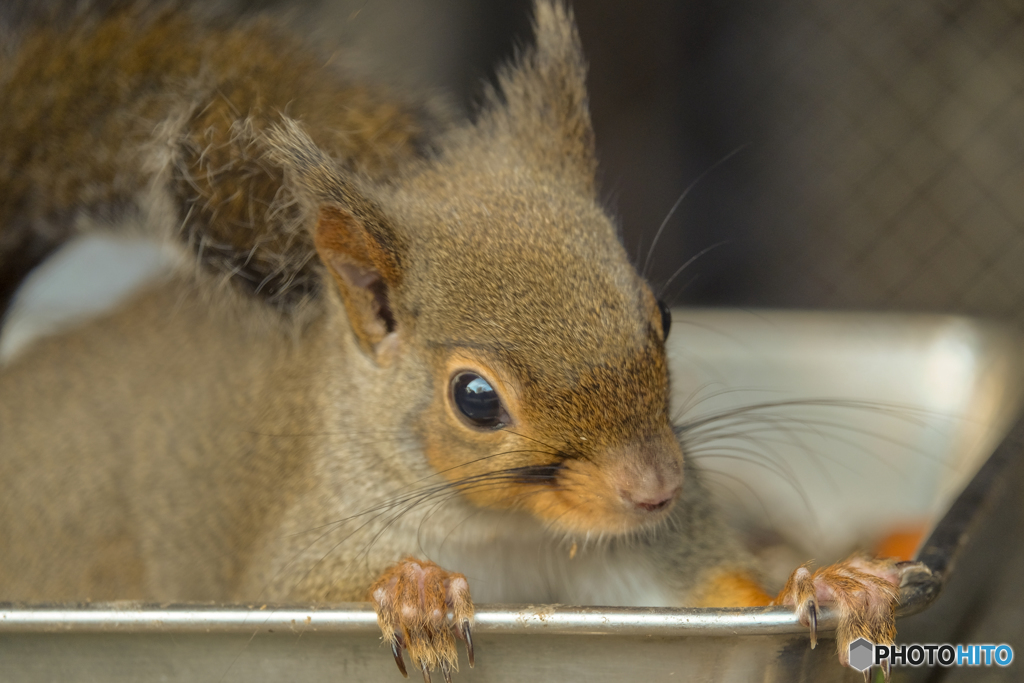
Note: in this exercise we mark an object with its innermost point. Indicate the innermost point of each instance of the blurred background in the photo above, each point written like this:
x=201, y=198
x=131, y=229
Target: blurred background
x=864, y=155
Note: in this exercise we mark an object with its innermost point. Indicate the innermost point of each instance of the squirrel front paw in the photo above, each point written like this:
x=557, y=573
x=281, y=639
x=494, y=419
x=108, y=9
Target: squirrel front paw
x=422, y=608
x=864, y=591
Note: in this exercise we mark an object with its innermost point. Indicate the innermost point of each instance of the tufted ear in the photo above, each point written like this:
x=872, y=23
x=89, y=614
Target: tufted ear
x=543, y=98
x=353, y=237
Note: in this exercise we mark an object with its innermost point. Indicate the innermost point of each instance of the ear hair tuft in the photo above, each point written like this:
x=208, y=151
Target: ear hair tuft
x=543, y=98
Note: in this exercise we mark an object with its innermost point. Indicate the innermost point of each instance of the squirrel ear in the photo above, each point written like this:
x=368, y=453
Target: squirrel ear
x=353, y=237
x=360, y=256
x=545, y=98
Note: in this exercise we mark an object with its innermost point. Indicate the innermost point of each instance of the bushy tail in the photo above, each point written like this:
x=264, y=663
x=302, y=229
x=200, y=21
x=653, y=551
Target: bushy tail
x=162, y=107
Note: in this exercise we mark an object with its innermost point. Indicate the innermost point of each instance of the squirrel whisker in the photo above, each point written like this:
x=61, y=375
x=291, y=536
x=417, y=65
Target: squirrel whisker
x=661, y=228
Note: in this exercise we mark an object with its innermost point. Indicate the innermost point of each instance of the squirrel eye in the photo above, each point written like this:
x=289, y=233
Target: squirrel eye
x=666, y=318
x=477, y=400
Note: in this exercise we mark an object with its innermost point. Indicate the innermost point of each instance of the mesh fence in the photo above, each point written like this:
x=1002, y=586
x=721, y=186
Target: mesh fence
x=890, y=172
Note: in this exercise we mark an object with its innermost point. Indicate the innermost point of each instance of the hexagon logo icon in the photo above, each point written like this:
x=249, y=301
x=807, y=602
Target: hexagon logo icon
x=862, y=654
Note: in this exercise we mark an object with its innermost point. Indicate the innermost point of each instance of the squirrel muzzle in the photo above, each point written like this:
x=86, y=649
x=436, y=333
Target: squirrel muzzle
x=647, y=478
x=615, y=490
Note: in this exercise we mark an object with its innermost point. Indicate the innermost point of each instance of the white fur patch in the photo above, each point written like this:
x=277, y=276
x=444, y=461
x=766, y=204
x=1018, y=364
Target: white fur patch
x=522, y=564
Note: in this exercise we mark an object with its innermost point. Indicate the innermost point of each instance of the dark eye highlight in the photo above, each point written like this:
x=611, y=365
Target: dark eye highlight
x=478, y=401
x=666, y=318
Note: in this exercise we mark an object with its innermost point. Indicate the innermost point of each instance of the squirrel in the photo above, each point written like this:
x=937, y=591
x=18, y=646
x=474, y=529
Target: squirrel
x=403, y=354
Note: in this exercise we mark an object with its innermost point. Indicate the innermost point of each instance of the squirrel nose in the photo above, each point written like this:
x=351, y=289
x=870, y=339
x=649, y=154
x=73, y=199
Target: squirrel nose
x=652, y=504
x=649, y=480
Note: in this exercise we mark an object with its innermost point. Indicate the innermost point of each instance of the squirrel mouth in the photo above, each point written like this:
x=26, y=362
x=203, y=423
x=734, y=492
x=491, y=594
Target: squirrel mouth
x=536, y=474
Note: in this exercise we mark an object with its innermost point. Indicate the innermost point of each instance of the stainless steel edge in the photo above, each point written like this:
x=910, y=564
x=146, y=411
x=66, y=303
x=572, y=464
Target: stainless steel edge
x=360, y=618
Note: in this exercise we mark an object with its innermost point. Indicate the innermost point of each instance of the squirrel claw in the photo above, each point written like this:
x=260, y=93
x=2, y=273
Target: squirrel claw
x=812, y=617
x=886, y=672
x=422, y=609
x=467, y=635
x=396, y=650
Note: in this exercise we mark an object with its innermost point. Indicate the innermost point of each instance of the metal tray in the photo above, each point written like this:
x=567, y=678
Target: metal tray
x=874, y=417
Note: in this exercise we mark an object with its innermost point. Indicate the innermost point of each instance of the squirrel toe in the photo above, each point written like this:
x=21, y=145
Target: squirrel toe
x=422, y=609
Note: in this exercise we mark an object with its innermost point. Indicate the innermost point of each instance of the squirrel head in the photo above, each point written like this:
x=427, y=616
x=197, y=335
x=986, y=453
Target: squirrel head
x=494, y=266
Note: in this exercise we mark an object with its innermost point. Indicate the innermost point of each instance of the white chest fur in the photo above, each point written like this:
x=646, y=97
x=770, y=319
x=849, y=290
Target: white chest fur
x=511, y=559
